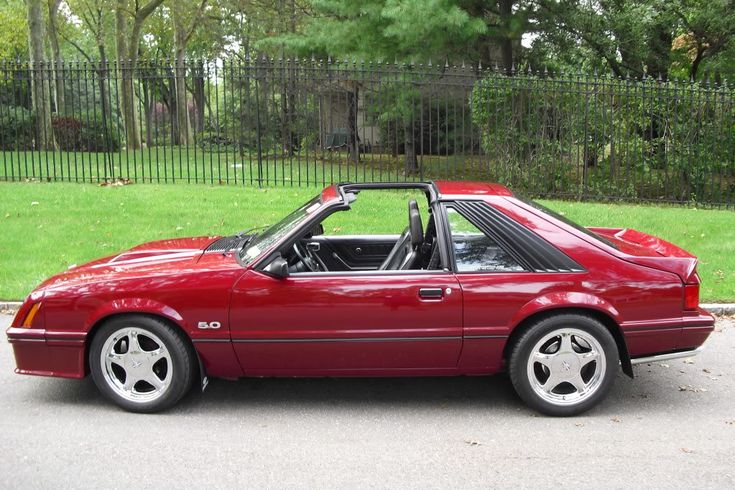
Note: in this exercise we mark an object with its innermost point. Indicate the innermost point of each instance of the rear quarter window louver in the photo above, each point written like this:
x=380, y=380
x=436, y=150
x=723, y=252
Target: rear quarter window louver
x=535, y=253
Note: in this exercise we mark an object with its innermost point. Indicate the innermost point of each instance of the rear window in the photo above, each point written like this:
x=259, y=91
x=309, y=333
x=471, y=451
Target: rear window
x=569, y=222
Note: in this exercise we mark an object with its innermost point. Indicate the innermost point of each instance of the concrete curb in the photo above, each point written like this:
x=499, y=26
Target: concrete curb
x=714, y=308
x=9, y=306
x=720, y=308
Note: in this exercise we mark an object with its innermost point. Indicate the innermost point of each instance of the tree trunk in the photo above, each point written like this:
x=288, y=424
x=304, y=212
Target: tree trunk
x=353, y=139
x=199, y=97
x=40, y=87
x=125, y=77
x=695, y=63
x=182, y=107
x=184, y=136
x=53, y=35
x=102, y=77
x=506, y=45
x=128, y=48
x=148, y=112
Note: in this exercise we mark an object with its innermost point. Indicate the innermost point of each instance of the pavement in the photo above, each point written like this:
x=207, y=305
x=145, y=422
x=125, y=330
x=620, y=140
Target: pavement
x=673, y=426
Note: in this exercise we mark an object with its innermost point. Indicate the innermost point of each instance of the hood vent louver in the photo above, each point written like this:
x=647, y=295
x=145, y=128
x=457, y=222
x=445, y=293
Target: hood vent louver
x=223, y=244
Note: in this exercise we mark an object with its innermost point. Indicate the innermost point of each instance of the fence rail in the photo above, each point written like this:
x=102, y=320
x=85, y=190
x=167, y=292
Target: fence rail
x=295, y=123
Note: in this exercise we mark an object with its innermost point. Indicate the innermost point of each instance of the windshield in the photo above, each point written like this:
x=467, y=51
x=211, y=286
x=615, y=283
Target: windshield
x=273, y=234
x=567, y=221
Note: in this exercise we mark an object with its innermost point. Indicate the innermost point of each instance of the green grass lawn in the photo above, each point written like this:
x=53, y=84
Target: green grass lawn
x=48, y=227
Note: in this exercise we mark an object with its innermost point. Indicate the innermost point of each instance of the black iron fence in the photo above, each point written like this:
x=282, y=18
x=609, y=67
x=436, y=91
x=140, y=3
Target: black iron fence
x=296, y=123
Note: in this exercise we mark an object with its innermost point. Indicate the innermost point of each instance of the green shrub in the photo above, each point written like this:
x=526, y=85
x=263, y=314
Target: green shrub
x=87, y=133
x=17, y=128
x=607, y=137
x=96, y=136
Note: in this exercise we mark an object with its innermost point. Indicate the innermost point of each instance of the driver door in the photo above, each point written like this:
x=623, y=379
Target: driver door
x=385, y=322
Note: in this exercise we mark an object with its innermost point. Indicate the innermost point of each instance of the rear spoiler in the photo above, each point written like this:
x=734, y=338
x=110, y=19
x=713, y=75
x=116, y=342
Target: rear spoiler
x=668, y=257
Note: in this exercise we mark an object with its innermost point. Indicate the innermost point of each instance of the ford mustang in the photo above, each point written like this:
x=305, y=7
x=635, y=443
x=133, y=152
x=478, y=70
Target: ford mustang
x=490, y=283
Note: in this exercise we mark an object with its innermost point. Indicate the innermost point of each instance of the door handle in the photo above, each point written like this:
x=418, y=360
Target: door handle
x=431, y=293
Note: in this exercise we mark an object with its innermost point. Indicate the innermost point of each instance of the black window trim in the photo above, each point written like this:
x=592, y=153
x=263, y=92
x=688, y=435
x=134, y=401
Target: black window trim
x=491, y=235
x=535, y=249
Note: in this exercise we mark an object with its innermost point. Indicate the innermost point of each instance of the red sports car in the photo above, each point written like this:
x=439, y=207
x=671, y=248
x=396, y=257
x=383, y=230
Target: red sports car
x=491, y=282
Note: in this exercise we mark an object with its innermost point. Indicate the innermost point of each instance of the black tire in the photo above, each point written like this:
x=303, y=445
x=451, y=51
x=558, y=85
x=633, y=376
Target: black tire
x=140, y=347
x=561, y=394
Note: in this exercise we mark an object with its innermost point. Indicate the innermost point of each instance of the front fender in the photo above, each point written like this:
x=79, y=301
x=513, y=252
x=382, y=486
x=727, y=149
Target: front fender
x=134, y=305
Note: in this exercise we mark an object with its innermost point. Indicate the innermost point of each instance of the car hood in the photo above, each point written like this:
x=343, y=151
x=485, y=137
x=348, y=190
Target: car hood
x=153, y=258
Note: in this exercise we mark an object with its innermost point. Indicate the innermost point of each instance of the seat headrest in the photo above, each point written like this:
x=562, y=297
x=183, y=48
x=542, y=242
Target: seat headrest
x=414, y=220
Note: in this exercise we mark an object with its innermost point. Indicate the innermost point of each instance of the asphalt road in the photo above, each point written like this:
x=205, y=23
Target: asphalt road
x=673, y=426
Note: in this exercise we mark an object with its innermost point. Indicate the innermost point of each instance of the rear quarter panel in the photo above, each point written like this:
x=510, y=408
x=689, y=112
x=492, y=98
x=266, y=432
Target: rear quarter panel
x=644, y=302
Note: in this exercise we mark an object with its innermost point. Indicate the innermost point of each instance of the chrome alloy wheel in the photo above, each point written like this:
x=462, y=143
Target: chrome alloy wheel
x=137, y=364
x=566, y=366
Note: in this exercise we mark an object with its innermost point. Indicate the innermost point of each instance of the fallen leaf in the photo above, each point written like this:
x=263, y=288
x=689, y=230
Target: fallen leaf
x=688, y=451
x=615, y=419
x=706, y=370
x=579, y=424
x=691, y=388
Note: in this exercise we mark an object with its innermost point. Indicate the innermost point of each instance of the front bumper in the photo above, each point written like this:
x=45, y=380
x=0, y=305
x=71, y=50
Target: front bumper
x=42, y=353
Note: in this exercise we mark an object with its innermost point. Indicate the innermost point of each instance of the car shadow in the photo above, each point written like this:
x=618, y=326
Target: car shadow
x=465, y=394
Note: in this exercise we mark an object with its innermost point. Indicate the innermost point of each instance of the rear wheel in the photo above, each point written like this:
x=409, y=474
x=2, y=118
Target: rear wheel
x=141, y=363
x=564, y=364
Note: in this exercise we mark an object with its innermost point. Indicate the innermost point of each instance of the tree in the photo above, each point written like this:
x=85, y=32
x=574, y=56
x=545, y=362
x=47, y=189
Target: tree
x=185, y=22
x=707, y=29
x=56, y=58
x=127, y=41
x=40, y=88
x=13, y=37
x=387, y=30
x=95, y=22
x=633, y=37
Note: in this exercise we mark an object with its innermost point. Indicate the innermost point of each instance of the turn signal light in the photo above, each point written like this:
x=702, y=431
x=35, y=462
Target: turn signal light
x=28, y=321
x=691, y=296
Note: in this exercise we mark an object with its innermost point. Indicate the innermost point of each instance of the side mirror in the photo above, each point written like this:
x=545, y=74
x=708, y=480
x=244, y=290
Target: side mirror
x=278, y=268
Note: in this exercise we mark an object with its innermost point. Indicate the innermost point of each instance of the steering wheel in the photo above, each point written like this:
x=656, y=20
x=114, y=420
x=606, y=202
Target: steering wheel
x=305, y=257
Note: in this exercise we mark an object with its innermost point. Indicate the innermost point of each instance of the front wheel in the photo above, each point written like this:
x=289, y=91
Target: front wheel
x=564, y=364
x=141, y=363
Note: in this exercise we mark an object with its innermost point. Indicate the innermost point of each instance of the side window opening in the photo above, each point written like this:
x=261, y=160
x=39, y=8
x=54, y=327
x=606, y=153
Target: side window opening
x=474, y=251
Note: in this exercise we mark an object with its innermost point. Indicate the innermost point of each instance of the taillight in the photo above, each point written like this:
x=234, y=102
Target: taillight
x=28, y=320
x=691, y=296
